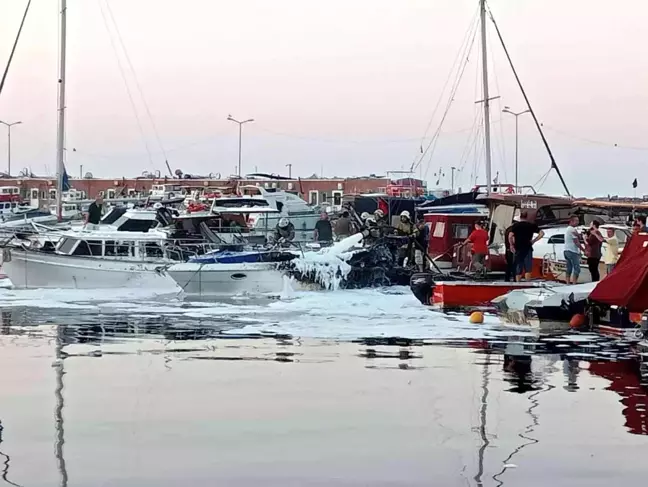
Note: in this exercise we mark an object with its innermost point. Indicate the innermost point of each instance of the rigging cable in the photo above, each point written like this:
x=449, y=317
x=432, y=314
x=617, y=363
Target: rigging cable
x=595, y=142
x=526, y=99
x=128, y=91
x=13, y=49
x=460, y=55
x=501, y=149
x=137, y=83
x=464, y=51
x=435, y=137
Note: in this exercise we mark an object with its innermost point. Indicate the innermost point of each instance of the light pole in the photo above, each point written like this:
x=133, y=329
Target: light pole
x=9, y=125
x=516, y=115
x=240, y=124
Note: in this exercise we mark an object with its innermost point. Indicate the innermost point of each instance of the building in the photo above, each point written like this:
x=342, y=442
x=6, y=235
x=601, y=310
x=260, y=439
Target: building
x=314, y=190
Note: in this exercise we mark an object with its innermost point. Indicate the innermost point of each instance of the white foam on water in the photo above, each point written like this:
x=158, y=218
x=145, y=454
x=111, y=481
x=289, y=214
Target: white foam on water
x=341, y=314
x=329, y=266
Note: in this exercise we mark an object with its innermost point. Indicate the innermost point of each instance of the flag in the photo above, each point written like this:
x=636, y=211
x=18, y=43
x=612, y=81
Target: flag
x=634, y=183
x=66, y=181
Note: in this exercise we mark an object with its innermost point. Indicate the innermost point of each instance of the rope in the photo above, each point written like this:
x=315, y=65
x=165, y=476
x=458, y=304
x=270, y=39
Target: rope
x=128, y=91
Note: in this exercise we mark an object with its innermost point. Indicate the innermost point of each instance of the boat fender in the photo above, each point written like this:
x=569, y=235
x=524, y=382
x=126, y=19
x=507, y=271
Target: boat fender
x=476, y=317
x=578, y=321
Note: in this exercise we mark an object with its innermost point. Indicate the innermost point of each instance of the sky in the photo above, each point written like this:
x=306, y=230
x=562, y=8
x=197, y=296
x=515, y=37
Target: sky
x=336, y=88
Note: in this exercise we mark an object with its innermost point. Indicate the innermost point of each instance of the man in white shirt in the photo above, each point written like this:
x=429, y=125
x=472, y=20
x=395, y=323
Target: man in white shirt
x=573, y=247
x=611, y=255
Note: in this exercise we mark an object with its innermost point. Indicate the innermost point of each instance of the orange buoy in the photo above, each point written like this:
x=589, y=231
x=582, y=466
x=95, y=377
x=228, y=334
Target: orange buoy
x=476, y=317
x=577, y=321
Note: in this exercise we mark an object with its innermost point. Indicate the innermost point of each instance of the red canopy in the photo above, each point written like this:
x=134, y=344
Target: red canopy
x=627, y=285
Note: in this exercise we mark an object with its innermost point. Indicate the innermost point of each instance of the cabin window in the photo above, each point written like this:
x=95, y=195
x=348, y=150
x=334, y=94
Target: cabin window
x=118, y=249
x=312, y=197
x=439, y=230
x=90, y=247
x=136, y=225
x=67, y=245
x=557, y=239
x=152, y=250
x=461, y=230
x=337, y=198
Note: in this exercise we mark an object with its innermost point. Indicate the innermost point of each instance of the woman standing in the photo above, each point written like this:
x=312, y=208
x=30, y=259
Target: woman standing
x=593, y=242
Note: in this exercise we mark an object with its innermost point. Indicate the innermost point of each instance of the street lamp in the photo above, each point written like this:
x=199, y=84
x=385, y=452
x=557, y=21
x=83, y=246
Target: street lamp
x=240, y=124
x=9, y=125
x=516, y=115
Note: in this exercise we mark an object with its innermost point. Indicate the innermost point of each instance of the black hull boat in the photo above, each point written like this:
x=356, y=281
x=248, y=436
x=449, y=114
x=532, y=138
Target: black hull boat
x=373, y=266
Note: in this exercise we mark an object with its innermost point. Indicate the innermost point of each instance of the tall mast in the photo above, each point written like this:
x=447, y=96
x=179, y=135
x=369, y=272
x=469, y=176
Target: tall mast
x=482, y=10
x=60, y=134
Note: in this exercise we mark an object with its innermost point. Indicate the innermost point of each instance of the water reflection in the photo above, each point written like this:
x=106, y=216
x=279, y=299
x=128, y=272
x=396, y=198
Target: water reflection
x=520, y=372
x=58, y=410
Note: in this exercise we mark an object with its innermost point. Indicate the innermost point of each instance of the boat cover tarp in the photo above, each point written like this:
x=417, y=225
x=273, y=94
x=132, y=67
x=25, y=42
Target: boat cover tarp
x=627, y=285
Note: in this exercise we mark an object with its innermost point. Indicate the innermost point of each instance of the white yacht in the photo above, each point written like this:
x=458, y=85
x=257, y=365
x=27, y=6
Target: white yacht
x=90, y=260
x=303, y=216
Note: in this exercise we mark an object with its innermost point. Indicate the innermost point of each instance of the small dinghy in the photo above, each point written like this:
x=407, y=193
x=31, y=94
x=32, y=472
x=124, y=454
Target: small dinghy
x=545, y=309
x=231, y=272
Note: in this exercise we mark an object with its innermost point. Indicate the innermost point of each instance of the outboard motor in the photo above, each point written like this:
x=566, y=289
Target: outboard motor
x=422, y=286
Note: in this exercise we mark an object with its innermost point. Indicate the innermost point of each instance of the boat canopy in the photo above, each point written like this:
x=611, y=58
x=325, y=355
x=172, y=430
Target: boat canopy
x=627, y=285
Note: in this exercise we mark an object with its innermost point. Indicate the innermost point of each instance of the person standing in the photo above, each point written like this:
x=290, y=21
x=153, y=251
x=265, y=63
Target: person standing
x=405, y=228
x=521, y=241
x=479, y=240
x=611, y=255
x=95, y=210
x=324, y=229
x=422, y=239
x=343, y=226
x=572, y=253
x=510, y=258
x=641, y=220
x=593, y=243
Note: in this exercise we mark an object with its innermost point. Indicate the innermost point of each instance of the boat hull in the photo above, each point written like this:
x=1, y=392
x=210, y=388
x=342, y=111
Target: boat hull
x=472, y=294
x=33, y=269
x=227, y=279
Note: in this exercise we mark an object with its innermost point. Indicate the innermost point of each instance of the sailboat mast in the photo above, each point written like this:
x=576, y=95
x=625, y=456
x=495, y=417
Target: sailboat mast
x=482, y=13
x=60, y=134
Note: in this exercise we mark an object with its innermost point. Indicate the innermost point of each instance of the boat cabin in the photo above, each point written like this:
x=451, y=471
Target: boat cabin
x=112, y=245
x=9, y=193
x=8, y=206
x=124, y=219
x=450, y=226
x=166, y=191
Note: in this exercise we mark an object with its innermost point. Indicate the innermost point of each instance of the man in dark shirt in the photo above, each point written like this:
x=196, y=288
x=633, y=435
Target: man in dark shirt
x=343, y=226
x=521, y=241
x=324, y=229
x=95, y=211
x=510, y=258
x=422, y=239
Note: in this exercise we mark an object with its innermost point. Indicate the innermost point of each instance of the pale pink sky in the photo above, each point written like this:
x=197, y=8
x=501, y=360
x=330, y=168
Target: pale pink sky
x=343, y=86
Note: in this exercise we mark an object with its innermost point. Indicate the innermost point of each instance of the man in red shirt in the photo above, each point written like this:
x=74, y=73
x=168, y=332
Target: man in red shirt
x=479, y=240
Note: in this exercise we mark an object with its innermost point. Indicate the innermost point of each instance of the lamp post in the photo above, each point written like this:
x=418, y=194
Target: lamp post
x=516, y=115
x=240, y=124
x=9, y=125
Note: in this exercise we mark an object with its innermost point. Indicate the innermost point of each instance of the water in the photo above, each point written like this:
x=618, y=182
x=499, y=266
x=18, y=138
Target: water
x=349, y=388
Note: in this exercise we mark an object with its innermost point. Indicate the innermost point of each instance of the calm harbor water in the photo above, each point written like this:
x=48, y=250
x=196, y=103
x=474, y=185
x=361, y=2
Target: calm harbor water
x=348, y=389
